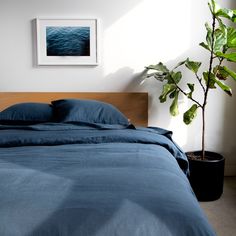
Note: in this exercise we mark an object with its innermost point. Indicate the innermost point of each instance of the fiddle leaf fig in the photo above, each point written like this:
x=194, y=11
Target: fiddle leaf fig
x=206, y=77
x=213, y=6
x=191, y=87
x=190, y=114
x=220, y=72
x=175, y=77
x=229, y=56
x=205, y=46
x=221, y=12
x=159, y=67
x=159, y=71
x=223, y=86
x=220, y=39
x=220, y=42
x=174, y=110
x=227, y=13
x=193, y=65
x=159, y=76
x=209, y=36
x=172, y=94
x=167, y=88
x=230, y=72
x=180, y=63
x=231, y=37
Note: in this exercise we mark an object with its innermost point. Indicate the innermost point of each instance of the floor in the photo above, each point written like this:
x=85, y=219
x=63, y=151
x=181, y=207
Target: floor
x=222, y=213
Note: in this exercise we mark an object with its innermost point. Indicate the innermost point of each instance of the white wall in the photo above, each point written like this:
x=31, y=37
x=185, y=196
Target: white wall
x=133, y=33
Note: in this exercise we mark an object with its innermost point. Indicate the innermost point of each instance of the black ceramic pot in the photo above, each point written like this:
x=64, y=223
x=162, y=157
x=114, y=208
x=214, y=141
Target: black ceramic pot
x=207, y=176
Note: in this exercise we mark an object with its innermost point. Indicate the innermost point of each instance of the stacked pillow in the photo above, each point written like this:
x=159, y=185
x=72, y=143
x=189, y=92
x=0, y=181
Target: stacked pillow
x=26, y=114
x=63, y=111
x=87, y=111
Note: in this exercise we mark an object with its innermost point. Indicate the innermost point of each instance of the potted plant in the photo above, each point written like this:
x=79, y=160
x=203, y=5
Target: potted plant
x=206, y=168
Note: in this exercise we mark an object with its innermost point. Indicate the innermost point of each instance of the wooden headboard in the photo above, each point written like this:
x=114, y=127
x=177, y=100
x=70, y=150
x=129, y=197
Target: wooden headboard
x=133, y=105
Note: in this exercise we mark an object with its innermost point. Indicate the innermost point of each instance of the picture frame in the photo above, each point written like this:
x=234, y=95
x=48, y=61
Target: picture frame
x=67, y=41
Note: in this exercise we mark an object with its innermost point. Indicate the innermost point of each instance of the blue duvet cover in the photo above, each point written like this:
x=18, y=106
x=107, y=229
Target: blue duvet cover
x=71, y=180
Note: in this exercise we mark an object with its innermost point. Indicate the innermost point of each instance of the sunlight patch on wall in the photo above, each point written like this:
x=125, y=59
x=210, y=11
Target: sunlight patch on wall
x=153, y=31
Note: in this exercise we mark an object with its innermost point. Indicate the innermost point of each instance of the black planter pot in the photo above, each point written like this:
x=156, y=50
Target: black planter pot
x=207, y=176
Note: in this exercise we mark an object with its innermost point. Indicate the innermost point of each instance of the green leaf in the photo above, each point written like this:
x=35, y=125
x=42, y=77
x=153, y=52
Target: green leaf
x=212, y=81
x=209, y=35
x=193, y=65
x=222, y=12
x=228, y=56
x=172, y=94
x=223, y=86
x=160, y=71
x=190, y=114
x=226, y=13
x=191, y=87
x=174, y=111
x=220, y=39
x=175, y=77
x=167, y=88
x=220, y=72
x=231, y=37
x=230, y=72
x=159, y=76
x=214, y=7
x=180, y=63
x=223, y=72
x=159, y=67
x=205, y=46
x=234, y=16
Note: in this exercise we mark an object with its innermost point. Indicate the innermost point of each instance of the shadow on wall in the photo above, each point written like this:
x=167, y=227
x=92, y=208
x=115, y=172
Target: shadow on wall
x=229, y=130
x=159, y=113
x=190, y=137
x=139, y=84
x=136, y=83
x=229, y=126
x=156, y=111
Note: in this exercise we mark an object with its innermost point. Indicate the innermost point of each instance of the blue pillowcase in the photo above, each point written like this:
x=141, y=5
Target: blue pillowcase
x=87, y=111
x=64, y=110
x=26, y=114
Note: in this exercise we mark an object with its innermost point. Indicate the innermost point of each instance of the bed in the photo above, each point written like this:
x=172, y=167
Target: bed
x=73, y=164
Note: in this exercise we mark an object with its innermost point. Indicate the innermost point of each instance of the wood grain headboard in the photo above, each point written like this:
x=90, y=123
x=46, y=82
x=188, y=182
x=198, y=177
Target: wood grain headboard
x=133, y=105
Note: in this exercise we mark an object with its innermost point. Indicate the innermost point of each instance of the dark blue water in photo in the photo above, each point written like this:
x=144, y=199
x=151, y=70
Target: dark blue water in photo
x=68, y=41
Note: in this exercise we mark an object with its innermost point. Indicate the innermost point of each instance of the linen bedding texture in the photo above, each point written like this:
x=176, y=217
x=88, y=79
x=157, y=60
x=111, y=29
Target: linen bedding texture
x=63, y=110
x=26, y=113
x=87, y=111
x=95, y=179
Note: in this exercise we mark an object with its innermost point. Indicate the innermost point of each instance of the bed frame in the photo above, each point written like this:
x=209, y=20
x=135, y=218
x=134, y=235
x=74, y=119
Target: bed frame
x=133, y=105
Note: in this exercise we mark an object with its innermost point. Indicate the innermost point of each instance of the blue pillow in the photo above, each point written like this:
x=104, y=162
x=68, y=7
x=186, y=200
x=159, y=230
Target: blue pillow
x=87, y=111
x=26, y=114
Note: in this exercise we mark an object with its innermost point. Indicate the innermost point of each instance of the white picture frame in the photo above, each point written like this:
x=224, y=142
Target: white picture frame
x=67, y=41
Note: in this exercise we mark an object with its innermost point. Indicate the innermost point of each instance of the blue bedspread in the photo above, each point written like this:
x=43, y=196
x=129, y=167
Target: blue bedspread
x=65, y=179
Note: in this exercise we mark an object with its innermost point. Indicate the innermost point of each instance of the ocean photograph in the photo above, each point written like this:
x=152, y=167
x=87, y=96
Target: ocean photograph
x=68, y=41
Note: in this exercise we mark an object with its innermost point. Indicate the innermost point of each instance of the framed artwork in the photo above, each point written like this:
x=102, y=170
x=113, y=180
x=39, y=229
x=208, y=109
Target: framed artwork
x=67, y=41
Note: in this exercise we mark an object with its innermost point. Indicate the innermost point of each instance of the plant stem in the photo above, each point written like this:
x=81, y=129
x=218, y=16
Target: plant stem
x=208, y=86
x=200, y=82
x=203, y=133
x=182, y=91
